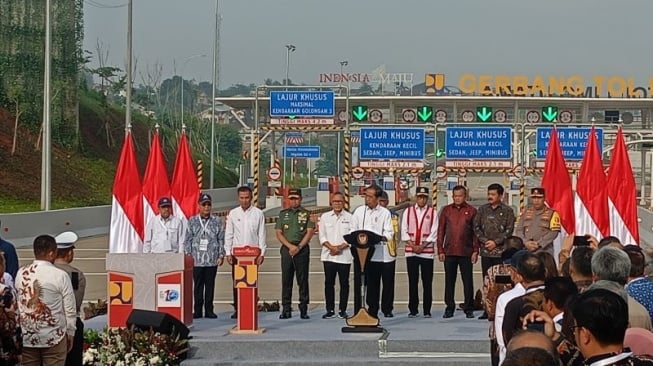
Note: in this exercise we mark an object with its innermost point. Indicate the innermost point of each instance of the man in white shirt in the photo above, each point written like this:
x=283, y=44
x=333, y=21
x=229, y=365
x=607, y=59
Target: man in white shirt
x=46, y=304
x=164, y=233
x=503, y=300
x=336, y=256
x=245, y=227
x=373, y=217
x=418, y=231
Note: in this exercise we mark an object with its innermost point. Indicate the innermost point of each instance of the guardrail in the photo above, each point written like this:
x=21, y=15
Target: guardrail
x=21, y=228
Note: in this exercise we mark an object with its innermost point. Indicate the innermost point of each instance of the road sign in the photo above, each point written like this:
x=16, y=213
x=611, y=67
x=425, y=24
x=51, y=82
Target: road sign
x=484, y=113
x=462, y=172
x=440, y=116
x=392, y=164
x=440, y=172
x=357, y=172
x=478, y=164
x=358, y=183
x=302, y=104
x=312, y=152
x=425, y=114
x=573, y=141
x=376, y=116
x=549, y=113
x=429, y=139
x=566, y=117
x=478, y=143
x=468, y=116
x=392, y=143
x=500, y=116
x=274, y=183
x=342, y=116
x=408, y=115
x=359, y=113
x=519, y=171
x=302, y=121
x=532, y=116
x=274, y=173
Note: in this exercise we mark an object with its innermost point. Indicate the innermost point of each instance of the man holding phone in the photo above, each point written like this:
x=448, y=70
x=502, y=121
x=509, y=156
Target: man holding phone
x=539, y=225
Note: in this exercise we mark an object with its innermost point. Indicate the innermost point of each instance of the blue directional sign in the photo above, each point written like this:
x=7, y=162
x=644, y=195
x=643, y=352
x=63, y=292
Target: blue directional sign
x=311, y=152
x=573, y=141
x=302, y=104
x=481, y=143
x=392, y=143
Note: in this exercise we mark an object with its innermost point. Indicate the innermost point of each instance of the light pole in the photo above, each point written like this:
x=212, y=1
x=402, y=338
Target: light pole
x=342, y=66
x=289, y=48
x=215, y=84
x=182, y=83
x=45, y=153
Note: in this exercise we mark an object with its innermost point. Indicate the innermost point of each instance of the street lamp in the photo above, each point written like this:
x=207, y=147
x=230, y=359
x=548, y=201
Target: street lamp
x=214, y=83
x=182, y=83
x=289, y=48
x=342, y=65
x=46, y=152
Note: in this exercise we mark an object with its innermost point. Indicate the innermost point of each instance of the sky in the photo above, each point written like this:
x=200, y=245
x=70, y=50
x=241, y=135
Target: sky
x=454, y=37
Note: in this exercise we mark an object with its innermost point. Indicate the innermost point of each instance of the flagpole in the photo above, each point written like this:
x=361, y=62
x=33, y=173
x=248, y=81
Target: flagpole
x=215, y=85
x=45, y=153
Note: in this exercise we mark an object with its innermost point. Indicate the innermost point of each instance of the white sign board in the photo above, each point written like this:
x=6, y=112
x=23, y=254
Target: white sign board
x=302, y=121
x=478, y=164
x=393, y=164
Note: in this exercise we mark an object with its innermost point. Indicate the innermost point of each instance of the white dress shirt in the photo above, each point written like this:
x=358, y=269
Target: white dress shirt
x=46, y=303
x=164, y=235
x=245, y=227
x=420, y=217
x=500, y=312
x=377, y=220
x=332, y=229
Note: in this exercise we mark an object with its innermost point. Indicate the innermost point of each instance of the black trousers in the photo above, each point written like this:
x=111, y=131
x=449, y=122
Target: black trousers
x=487, y=262
x=358, y=296
x=75, y=356
x=332, y=269
x=297, y=266
x=451, y=264
x=377, y=272
x=204, y=285
x=414, y=265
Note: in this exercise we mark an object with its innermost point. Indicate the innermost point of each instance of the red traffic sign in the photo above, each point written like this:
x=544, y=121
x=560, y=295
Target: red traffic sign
x=468, y=116
x=532, y=116
x=408, y=115
x=566, y=116
x=376, y=116
x=440, y=172
x=440, y=116
x=500, y=116
x=462, y=172
x=519, y=171
x=274, y=173
x=357, y=172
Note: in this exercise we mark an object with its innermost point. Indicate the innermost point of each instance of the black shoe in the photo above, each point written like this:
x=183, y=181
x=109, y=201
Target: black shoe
x=197, y=315
x=234, y=315
x=469, y=314
x=427, y=315
x=448, y=314
x=412, y=315
x=285, y=315
x=304, y=315
x=329, y=315
x=210, y=315
x=343, y=315
x=388, y=315
x=483, y=316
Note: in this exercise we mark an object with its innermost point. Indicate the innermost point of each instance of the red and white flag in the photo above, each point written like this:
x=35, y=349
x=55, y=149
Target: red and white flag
x=185, y=191
x=557, y=185
x=591, y=202
x=623, y=195
x=155, y=181
x=126, y=229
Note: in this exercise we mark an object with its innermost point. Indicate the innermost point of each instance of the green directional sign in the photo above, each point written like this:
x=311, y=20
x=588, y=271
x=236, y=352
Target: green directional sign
x=549, y=113
x=360, y=113
x=484, y=113
x=440, y=153
x=425, y=114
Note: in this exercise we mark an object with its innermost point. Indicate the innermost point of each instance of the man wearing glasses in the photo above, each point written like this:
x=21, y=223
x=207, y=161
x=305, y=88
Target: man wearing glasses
x=205, y=242
x=294, y=230
x=336, y=256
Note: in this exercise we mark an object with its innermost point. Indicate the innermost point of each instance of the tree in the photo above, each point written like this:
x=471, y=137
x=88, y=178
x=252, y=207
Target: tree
x=15, y=93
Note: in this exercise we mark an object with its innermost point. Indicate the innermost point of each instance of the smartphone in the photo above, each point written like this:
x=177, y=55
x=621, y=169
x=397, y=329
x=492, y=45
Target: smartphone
x=581, y=241
x=502, y=278
x=537, y=326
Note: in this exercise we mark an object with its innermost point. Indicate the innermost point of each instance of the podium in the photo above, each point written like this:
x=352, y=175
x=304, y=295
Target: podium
x=246, y=284
x=154, y=281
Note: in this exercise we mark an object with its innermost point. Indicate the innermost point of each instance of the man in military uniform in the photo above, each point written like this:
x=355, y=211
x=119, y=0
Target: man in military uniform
x=539, y=225
x=294, y=230
x=65, y=245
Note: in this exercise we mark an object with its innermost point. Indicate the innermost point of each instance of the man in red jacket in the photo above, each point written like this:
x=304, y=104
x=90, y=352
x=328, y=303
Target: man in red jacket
x=457, y=246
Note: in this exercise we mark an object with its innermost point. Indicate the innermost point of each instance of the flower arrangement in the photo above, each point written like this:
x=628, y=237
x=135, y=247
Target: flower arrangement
x=131, y=346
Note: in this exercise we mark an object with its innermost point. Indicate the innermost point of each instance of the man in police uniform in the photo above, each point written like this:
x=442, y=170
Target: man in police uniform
x=539, y=225
x=294, y=230
x=65, y=245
